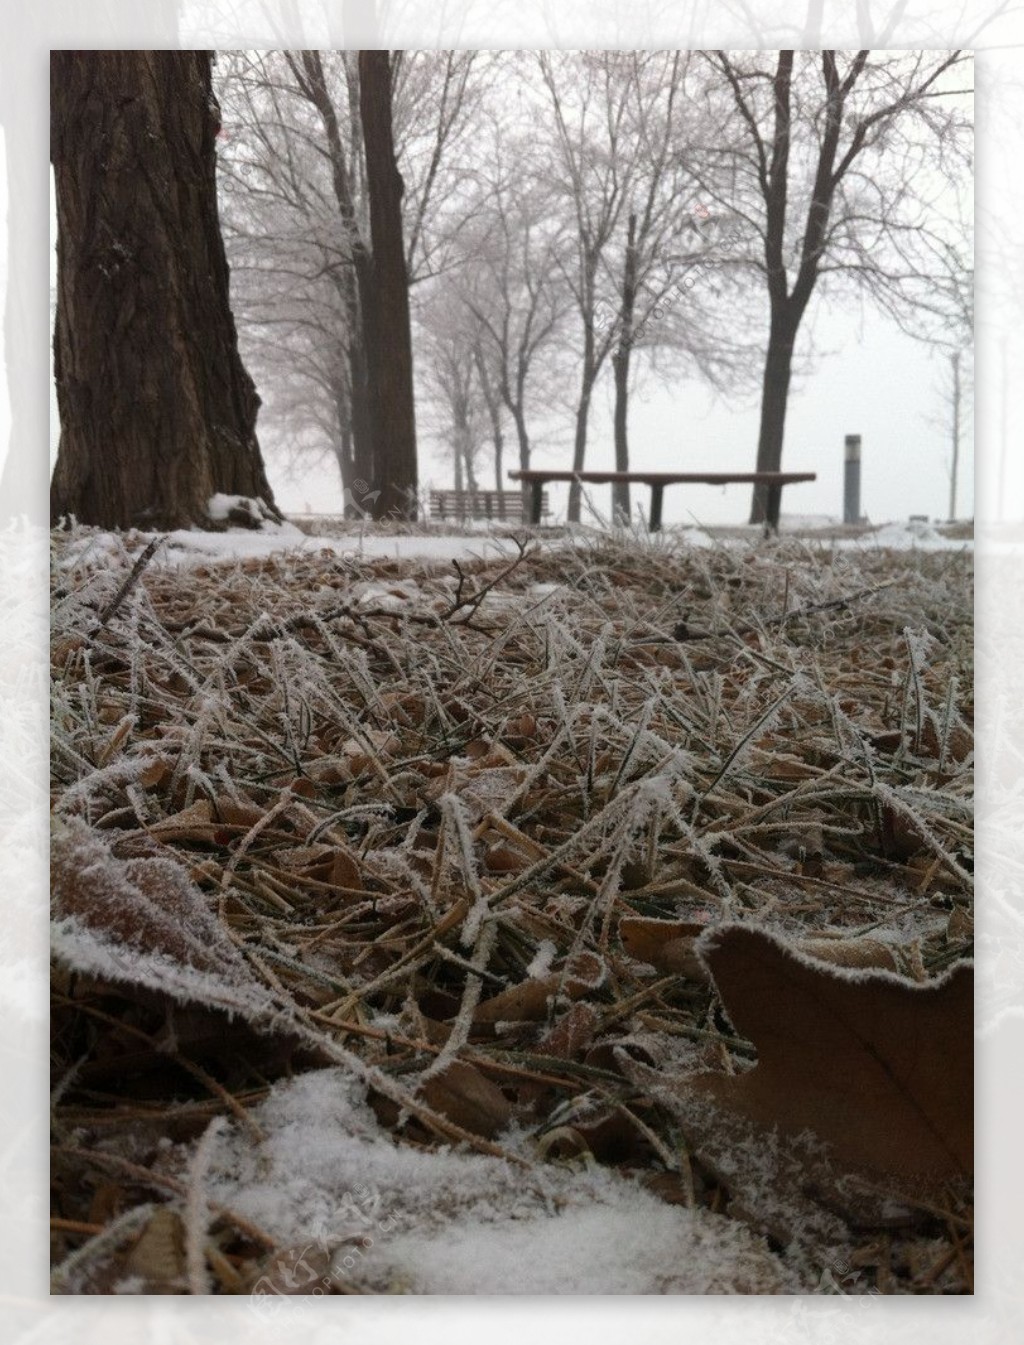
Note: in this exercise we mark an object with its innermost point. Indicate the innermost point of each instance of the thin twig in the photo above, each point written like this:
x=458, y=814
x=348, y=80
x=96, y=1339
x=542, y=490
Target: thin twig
x=133, y=578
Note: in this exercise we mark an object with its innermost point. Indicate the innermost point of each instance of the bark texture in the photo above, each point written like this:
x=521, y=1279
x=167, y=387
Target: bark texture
x=157, y=412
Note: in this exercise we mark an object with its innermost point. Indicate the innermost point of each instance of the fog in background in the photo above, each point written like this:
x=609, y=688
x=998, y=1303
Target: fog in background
x=861, y=375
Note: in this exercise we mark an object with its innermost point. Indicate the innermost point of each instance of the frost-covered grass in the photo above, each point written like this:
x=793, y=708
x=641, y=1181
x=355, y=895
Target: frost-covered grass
x=403, y=794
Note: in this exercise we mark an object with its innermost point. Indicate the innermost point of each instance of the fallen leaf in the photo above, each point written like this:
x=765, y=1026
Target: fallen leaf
x=146, y=905
x=960, y=924
x=194, y=823
x=156, y=770
x=235, y=813
x=572, y=1034
x=158, y=1257
x=462, y=1094
x=670, y=946
x=503, y=859
x=530, y=1001
x=667, y=945
x=846, y=952
x=880, y=1068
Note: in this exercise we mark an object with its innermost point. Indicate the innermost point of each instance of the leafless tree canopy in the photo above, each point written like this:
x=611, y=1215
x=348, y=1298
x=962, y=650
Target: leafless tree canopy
x=575, y=216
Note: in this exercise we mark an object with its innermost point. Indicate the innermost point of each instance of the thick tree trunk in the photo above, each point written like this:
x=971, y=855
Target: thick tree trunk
x=389, y=350
x=621, y=508
x=778, y=368
x=157, y=412
x=24, y=485
x=343, y=457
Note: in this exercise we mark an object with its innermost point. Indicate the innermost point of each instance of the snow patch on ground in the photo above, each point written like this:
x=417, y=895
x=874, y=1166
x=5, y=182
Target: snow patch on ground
x=240, y=509
x=198, y=548
x=185, y=548
x=399, y=1219
x=915, y=533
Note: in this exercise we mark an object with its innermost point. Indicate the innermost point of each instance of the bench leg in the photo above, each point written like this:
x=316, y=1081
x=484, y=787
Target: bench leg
x=536, y=501
x=654, y=522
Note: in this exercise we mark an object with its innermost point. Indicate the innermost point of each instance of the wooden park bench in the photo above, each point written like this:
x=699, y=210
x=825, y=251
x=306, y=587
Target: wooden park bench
x=659, y=480
x=499, y=505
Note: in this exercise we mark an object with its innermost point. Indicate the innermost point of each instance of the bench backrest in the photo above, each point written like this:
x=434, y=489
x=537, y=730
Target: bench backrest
x=496, y=504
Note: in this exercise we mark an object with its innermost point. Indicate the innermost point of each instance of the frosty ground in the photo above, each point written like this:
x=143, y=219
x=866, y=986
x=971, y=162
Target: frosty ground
x=354, y=840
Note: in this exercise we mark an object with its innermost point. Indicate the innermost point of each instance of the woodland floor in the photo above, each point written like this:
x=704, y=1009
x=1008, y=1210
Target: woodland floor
x=438, y=842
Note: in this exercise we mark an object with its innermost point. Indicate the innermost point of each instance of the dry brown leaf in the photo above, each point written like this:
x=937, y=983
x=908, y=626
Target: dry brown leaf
x=146, y=904
x=373, y=743
x=960, y=924
x=525, y=726
x=483, y=788
x=234, y=813
x=153, y=773
x=503, y=859
x=956, y=745
x=902, y=838
x=527, y=1002
x=880, y=1068
x=530, y=1001
x=158, y=1257
x=407, y=708
x=664, y=944
x=842, y=952
x=572, y=1034
x=669, y=945
x=345, y=871
x=194, y=823
x=462, y=1094
x=330, y=771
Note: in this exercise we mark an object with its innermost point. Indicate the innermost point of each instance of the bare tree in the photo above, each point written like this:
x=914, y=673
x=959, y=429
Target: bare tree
x=299, y=227
x=620, y=121
x=291, y=264
x=353, y=277
x=437, y=99
x=157, y=412
x=511, y=285
x=589, y=103
x=487, y=375
x=834, y=162
x=458, y=414
x=620, y=365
